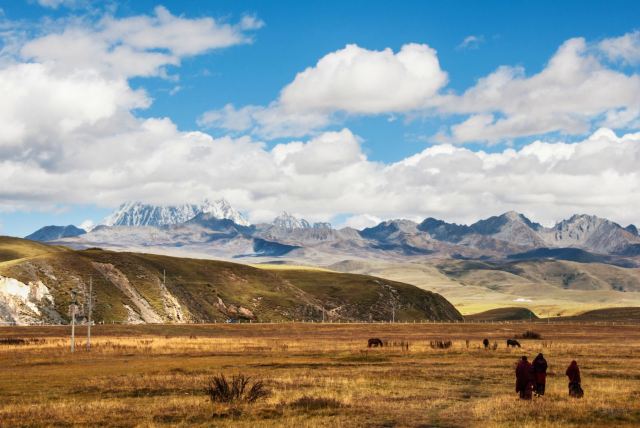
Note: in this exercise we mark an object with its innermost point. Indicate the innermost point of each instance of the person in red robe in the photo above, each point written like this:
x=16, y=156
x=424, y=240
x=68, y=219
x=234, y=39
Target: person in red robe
x=573, y=373
x=524, y=378
x=540, y=373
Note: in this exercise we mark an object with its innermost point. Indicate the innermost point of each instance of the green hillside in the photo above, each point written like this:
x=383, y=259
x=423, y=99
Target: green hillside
x=128, y=287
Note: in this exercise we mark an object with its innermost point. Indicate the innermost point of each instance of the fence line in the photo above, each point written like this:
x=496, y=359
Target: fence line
x=629, y=323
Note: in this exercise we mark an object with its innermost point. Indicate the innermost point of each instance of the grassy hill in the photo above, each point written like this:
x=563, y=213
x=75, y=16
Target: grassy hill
x=129, y=287
x=631, y=314
x=503, y=314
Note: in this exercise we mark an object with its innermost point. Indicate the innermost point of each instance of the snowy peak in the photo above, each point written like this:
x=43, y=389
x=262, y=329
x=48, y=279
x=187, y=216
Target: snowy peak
x=221, y=209
x=288, y=222
x=139, y=214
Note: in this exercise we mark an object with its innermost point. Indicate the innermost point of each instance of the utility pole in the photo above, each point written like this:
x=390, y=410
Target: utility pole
x=73, y=320
x=90, y=308
x=393, y=313
x=323, y=314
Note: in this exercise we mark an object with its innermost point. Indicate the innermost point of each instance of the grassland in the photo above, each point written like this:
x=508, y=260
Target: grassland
x=155, y=375
x=546, y=287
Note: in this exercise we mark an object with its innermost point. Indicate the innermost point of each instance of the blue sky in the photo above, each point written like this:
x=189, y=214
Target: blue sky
x=289, y=37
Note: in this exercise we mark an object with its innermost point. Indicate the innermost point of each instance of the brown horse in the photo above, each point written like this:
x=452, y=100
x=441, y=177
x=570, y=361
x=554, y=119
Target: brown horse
x=513, y=342
x=374, y=343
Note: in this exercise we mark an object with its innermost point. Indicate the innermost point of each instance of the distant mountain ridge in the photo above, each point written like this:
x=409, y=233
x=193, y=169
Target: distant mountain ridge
x=52, y=233
x=219, y=230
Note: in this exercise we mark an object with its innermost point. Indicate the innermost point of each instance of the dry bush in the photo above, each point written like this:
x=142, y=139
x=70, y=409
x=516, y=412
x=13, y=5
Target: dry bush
x=19, y=341
x=240, y=389
x=440, y=344
x=316, y=403
x=530, y=335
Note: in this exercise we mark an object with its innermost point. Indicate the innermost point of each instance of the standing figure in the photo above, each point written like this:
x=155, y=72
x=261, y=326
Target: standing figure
x=524, y=378
x=573, y=373
x=485, y=342
x=540, y=373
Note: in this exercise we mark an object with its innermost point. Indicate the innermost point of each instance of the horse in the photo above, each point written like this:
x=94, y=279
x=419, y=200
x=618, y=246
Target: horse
x=485, y=342
x=513, y=343
x=374, y=343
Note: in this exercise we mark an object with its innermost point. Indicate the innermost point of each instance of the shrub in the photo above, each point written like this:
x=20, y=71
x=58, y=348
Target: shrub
x=240, y=389
x=316, y=403
x=530, y=335
x=440, y=344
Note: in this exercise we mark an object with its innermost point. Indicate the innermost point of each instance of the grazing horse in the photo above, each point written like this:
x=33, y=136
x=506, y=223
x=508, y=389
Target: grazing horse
x=513, y=343
x=485, y=342
x=374, y=343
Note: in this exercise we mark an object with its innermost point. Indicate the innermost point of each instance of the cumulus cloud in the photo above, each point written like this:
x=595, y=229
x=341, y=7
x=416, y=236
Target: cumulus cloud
x=575, y=93
x=571, y=94
x=135, y=46
x=625, y=48
x=352, y=80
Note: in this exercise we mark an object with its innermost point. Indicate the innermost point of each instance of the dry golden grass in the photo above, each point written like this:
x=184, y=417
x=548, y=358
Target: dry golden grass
x=319, y=375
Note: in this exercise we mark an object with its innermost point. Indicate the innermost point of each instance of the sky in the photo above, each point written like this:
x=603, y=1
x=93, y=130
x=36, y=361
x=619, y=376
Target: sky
x=348, y=112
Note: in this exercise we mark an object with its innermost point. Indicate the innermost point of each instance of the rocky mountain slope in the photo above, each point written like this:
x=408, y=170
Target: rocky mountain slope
x=36, y=281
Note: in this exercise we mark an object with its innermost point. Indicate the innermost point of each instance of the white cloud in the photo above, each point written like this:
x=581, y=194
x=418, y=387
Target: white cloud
x=70, y=136
x=573, y=94
x=471, y=42
x=362, y=221
x=87, y=225
x=352, y=80
x=569, y=96
x=54, y=4
x=625, y=48
x=135, y=46
x=358, y=80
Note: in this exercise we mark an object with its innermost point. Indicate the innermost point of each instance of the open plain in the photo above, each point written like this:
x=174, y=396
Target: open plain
x=317, y=375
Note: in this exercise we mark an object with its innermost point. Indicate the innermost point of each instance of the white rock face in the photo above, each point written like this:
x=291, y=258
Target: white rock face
x=139, y=214
x=21, y=303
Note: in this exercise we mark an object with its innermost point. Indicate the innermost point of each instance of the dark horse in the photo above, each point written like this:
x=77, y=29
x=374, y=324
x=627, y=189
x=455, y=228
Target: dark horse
x=485, y=342
x=513, y=342
x=374, y=343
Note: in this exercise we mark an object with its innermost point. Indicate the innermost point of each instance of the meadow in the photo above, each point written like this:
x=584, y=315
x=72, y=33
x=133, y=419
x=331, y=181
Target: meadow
x=317, y=375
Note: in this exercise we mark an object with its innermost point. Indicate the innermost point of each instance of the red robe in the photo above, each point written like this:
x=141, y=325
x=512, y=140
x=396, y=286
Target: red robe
x=540, y=369
x=573, y=372
x=524, y=379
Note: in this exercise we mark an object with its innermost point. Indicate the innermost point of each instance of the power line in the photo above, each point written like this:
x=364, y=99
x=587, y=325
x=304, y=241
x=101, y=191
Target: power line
x=90, y=308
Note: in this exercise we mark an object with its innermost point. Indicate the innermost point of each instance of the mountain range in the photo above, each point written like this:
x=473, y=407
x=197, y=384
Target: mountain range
x=218, y=230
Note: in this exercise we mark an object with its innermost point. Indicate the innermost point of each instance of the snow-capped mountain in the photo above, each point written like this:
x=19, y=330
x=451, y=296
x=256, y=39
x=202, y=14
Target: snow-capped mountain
x=288, y=222
x=221, y=209
x=139, y=214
